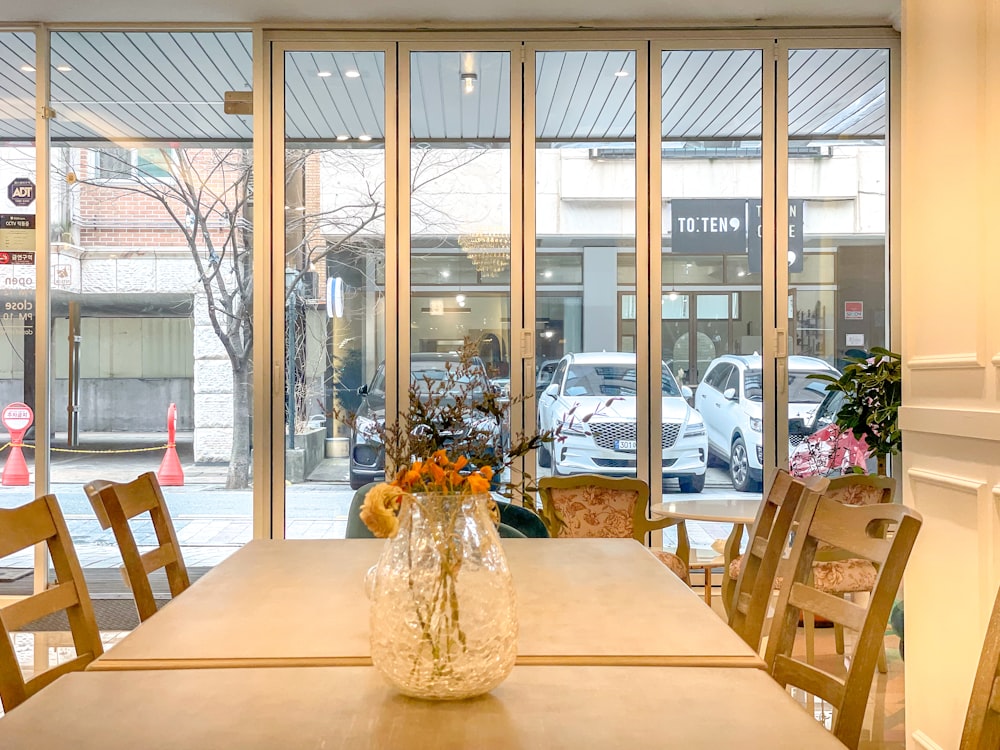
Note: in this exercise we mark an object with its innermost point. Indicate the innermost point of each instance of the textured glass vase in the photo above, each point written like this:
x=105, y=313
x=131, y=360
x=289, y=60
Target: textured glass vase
x=443, y=615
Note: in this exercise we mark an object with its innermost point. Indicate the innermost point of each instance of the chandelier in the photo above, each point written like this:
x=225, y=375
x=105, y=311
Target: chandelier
x=488, y=252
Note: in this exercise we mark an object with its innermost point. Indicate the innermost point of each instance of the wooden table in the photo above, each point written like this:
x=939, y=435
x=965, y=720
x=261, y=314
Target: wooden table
x=301, y=603
x=550, y=708
x=740, y=513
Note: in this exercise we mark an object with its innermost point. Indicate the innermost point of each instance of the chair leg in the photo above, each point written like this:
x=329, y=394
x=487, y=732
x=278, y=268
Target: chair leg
x=838, y=638
x=882, y=666
x=809, y=620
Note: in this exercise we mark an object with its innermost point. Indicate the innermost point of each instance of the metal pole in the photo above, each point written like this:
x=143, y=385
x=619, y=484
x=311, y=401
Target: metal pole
x=73, y=400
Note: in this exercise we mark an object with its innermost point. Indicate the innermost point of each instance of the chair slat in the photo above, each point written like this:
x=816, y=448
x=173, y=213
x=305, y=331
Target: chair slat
x=828, y=606
x=54, y=599
x=982, y=719
x=808, y=678
x=20, y=530
x=837, y=525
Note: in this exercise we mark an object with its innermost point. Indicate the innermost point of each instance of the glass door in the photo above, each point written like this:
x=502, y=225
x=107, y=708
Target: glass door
x=336, y=194
x=459, y=216
x=711, y=150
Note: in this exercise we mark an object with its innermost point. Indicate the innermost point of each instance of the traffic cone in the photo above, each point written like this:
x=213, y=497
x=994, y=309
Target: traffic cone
x=170, y=473
x=15, y=471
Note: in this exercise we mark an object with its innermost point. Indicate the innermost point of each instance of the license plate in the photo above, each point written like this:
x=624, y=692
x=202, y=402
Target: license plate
x=624, y=445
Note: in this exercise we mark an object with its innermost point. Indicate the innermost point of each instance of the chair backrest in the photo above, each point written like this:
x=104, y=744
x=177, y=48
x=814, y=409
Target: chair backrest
x=20, y=528
x=768, y=543
x=523, y=519
x=982, y=720
x=860, y=531
x=591, y=505
x=855, y=489
x=115, y=503
x=356, y=528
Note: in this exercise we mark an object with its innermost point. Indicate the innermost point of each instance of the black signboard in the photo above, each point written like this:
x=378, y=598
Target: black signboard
x=709, y=226
x=795, y=210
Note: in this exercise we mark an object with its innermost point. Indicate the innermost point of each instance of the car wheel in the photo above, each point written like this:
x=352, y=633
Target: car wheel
x=739, y=466
x=692, y=483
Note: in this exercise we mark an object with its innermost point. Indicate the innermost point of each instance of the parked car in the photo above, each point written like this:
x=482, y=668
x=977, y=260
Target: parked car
x=544, y=375
x=730, y=400
x=592, y=401
x=367, y=454
x=817, y=446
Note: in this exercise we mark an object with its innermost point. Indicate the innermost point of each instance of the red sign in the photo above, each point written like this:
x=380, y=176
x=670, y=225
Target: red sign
x=854, y=310
x=17, y=418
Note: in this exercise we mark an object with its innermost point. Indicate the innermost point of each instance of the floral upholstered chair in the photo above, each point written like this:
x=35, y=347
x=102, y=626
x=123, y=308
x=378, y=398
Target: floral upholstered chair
x=595, y=506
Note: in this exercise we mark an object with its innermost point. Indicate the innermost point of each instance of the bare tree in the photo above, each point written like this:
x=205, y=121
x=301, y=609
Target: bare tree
x=207, y=194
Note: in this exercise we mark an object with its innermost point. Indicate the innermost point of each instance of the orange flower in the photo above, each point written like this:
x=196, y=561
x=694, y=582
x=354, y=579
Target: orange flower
x=379, y=509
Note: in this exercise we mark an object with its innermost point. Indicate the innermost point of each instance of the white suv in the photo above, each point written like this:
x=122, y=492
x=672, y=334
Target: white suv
x=730, y=401
x=591, y=400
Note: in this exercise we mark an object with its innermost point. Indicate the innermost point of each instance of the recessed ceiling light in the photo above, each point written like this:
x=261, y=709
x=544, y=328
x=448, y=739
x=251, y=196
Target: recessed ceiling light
x=352, y=74
x=64, y=68
x=27, y=69
x=364, y=137
x=343, y=137
x=324, y=74
x=621, y=73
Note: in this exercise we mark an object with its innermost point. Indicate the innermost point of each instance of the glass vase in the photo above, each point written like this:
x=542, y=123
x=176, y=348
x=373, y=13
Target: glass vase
x=443, y=615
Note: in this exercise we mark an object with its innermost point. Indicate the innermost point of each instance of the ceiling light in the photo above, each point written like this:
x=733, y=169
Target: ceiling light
x=64, y=68
x=324, y=74
x=489, y=253
x=445, y=274
x=621, y=73
x=27, y=69
x=352, y=74
x=468, y=82
x=364, y=138
x=343, y=137
x=460, y=299
x=547, y=274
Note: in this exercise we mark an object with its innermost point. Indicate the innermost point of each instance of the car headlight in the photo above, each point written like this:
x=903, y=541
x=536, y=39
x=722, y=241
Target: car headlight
x=570, y=424
x=756, y=424
x=694, y=428
x=367, y=430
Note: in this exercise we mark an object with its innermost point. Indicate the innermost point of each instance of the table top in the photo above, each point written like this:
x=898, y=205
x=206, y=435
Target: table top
x=709, y=509
x=555, y=708
x=302, y=603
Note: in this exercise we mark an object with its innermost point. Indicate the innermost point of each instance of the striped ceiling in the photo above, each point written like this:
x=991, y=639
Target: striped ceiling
x=168, y=86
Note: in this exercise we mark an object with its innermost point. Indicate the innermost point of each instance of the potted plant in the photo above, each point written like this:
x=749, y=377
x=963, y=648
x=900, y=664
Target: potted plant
x=872, y=388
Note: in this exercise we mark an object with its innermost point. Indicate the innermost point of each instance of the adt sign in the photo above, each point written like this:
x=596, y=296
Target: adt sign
x=21, y=191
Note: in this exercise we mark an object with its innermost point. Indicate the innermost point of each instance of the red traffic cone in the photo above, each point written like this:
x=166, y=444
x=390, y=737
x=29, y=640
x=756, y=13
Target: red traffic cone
x=170, y=473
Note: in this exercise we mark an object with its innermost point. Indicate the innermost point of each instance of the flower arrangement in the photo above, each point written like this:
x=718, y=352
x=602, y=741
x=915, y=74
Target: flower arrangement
x=872, y=387
x=438, y=474
x=459, y=412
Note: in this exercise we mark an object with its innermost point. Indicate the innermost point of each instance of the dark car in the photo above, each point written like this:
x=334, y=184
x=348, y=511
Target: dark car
x=367, y=454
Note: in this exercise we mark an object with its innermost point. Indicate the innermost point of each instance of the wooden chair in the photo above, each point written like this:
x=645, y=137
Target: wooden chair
x=591, y=505
x=768, y=543
x=20, y=528
x=861, y=531
x=837, y=572
x=982, y=720
x=115, y=504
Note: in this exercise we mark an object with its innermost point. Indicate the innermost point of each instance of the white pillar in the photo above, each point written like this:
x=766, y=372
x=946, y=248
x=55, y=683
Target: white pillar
x=951, y=349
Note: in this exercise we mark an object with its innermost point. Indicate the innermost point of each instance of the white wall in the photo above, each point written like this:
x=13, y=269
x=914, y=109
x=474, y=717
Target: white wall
x=951, y=349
